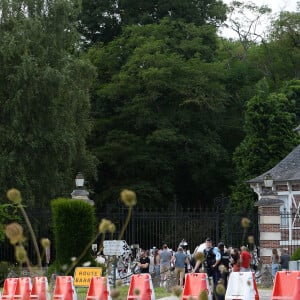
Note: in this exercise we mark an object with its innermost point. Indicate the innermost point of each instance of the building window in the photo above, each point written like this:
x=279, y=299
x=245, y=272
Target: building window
x=284, y=212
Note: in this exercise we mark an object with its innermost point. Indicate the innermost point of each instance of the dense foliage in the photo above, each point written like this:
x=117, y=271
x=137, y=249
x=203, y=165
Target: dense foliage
x=268, y=121
x=44, y=100
x=102, y=21
x=158, y=104
x=178, y=112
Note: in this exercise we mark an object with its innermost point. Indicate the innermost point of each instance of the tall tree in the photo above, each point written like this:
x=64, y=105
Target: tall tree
x=277, y=59
x=158, y=101
x=44, y=101
x=283, y=51
x=198, y=12
x=243, y=19
x=269, y=123
x=103, y=20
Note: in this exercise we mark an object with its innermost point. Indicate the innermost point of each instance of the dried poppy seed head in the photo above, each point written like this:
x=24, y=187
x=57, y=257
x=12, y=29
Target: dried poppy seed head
x=245, y=222
x=104, y=225
x=14, y=232
x=128, y=197
x=45, y=243
x=21, y=254
x=14, y=196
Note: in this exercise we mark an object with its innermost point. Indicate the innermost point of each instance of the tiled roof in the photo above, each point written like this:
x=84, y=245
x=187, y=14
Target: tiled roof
x=286, y=170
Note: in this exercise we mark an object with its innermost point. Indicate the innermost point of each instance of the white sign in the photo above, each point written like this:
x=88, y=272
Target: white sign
x=114, y=247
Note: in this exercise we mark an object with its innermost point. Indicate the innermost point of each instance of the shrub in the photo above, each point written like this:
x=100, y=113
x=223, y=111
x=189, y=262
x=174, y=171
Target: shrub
x=296, y=254
x=74, y=226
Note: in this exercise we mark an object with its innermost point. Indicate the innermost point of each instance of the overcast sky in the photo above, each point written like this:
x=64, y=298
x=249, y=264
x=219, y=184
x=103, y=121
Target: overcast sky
x=275, y=5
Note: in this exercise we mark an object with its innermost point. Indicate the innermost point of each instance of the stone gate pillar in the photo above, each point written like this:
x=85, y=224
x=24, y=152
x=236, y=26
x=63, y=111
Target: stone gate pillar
x=269, y=225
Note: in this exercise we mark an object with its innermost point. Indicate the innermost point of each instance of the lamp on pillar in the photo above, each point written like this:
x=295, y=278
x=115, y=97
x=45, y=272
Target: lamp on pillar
x=269, y=197
x=79, y=180
x=80, y=193
x=268, y=180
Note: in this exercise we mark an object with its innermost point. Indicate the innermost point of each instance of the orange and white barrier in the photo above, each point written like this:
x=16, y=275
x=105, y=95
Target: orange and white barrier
x=39, y=289
x=242, y=286
x=286, y=286
x=195, y=283
x=64, y=288
x=98, y=289
x=141, y=287
x=9, y=288
x=23, y=289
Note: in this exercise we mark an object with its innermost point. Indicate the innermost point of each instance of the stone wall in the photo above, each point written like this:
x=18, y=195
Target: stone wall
x=270, y=234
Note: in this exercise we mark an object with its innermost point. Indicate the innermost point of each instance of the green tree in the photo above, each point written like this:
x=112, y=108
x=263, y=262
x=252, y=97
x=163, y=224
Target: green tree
x=157, y=102
x=291, y=89
x=103, y=20
x=44, y=100
x=278, y=58
x=240, y=77
x=98, y=21
x=285, y=38
x=247, y=64
x=197, y=12
x=269, y=123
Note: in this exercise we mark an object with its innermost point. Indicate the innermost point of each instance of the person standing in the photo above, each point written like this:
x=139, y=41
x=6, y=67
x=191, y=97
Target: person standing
x=210, y=261
x=151, y=258
x=224, y=263
x=180, y=259
x=284, y=260
x=184, y=246
x=245, y=259
x=165, y=263
x=235, y=260
x=275, y=262
x=144, y=262
x=200, y=249
x=156, y=262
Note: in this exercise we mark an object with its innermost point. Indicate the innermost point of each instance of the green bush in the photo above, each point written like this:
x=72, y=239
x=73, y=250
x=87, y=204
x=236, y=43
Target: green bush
x=74, y=227
x=296, y=254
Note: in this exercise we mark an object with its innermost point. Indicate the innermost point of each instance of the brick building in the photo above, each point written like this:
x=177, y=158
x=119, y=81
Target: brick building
x=278, y=204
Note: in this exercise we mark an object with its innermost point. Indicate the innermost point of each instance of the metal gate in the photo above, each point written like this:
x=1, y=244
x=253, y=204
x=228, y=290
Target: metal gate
x=149, y=228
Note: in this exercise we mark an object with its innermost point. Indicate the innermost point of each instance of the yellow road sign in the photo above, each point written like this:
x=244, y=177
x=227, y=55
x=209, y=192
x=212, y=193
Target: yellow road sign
x=83, y=275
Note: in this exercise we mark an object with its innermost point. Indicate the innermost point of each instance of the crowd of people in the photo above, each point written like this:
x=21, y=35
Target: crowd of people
x=217, y=261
